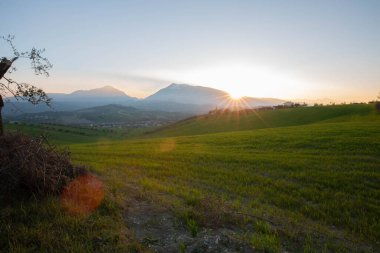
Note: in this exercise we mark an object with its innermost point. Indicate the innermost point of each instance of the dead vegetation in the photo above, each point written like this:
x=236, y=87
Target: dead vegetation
x=33, y=166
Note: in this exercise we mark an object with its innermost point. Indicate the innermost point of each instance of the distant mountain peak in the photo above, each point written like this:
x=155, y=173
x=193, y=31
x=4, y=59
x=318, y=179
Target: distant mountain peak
x=174, y=85
x=188, y=94
x=105, y=91
x=202, y=95
x=108, y=87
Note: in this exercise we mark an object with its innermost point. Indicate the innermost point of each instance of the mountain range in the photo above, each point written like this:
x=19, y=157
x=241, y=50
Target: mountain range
x=182, y=98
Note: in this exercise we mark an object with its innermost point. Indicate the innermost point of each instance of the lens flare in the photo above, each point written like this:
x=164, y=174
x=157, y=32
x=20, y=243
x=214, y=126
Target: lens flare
x=83, y=195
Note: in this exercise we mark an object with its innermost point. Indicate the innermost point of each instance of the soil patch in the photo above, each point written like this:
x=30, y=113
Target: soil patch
x=161, y=231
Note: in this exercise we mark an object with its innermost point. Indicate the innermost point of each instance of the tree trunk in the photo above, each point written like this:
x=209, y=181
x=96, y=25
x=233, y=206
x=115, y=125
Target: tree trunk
x=5, y=64
x=1, y=118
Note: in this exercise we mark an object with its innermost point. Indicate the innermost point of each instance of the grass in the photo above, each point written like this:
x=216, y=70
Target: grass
x=193, y=227
x=31, y=224
x=265, y=238
x=317, y=185
x=266, y=243
x=35, y=225
x=320, y=179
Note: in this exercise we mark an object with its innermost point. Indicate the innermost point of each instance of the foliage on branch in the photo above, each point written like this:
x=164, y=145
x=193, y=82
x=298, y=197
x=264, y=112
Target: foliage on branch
x=25, y=91
x=41, y=66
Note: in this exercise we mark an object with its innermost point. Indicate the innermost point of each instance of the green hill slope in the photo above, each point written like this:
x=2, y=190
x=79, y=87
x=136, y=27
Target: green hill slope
x=318, y=183
x=248, y=120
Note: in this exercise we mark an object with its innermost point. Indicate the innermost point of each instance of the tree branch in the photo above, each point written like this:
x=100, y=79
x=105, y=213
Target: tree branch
x=24, y=91
x=27, y=92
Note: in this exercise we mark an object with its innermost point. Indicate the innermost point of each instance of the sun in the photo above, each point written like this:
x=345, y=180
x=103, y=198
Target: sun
x=239, y=79
x=235, y=95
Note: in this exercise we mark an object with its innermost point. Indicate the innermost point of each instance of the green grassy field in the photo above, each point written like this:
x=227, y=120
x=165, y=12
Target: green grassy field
x=314, y=187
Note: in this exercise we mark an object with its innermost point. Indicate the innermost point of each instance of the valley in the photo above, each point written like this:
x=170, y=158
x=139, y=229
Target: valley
x=308, y=181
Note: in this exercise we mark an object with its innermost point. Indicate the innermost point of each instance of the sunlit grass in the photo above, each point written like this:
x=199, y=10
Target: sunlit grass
x=323, y=179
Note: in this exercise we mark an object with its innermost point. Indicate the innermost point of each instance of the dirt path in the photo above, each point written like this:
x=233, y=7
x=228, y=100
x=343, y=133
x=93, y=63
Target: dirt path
x=160, y=231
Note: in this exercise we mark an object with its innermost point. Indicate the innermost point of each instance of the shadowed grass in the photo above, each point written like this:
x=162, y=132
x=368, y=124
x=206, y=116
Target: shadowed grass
x=33, y=225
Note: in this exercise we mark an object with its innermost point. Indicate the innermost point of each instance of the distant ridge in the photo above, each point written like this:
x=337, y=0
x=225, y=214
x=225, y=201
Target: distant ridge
x=182, y=98
x=188, y=94
x=200, y=95
x=106, y=91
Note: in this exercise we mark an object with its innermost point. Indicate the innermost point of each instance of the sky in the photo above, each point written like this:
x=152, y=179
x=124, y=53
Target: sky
x=283, y=49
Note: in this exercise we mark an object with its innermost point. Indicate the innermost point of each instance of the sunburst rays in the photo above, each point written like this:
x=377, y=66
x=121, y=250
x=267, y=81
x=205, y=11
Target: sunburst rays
x=237, y=107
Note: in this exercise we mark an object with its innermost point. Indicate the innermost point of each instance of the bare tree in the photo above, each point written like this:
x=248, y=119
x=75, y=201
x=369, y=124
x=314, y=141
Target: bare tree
x=22, y=91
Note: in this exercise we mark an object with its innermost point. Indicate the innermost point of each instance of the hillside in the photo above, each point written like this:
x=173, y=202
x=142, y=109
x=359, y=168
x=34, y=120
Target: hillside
x=258, y=119
x=312, y=188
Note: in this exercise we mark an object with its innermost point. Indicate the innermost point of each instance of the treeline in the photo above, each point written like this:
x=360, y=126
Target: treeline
x=218, y=111
x=286, y=105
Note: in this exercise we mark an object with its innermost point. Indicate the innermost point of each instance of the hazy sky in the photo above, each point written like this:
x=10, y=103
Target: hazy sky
x=285, y=49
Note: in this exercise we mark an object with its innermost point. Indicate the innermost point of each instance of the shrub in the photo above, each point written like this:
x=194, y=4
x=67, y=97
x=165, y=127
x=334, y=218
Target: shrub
x=33, y=166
